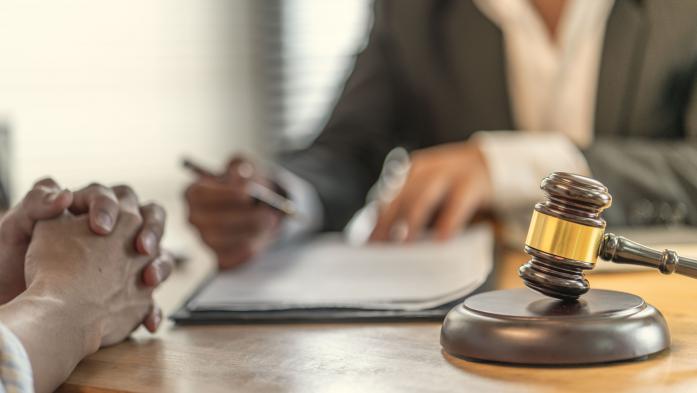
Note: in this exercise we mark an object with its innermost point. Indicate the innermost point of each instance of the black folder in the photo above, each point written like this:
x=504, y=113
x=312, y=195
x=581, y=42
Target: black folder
x=186, y=316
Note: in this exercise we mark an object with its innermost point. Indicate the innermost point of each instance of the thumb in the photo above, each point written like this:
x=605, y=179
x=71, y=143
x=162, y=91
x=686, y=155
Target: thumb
x=47, y=204
x=240, y=168
x=41, y=203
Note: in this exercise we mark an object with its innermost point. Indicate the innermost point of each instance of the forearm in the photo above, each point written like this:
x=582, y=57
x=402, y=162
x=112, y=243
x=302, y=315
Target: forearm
x=652, y=181
x=518, y=161
x=54, y=335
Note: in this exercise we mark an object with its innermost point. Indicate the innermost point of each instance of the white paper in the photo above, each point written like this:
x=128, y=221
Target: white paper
x=329, y=273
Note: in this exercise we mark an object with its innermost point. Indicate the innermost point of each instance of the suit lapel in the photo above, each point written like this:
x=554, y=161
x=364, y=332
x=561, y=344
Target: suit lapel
x=625, y=39
x=474, y=57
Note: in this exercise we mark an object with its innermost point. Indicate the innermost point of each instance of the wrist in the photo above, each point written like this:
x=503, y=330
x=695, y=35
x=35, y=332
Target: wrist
x=484, y=173
x=54, y=334
x=79, y=321
x=517, y=161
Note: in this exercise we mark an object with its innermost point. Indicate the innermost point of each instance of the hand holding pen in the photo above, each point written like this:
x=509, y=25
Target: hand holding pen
x=236, y=212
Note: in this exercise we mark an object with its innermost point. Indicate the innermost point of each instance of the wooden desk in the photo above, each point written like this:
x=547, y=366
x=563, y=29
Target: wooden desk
x=377, y=357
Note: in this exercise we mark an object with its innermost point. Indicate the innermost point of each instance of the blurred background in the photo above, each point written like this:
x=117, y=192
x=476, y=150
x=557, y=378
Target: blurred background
x=119, y=91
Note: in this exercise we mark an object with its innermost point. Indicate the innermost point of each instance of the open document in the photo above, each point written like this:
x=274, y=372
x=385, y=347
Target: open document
x=326, y=272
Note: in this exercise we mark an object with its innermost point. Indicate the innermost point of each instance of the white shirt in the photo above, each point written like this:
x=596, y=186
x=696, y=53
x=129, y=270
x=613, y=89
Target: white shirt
x=553, y=93
x=553, y=88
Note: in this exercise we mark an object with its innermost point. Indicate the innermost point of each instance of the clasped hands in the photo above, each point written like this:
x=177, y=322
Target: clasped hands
x=95, y=247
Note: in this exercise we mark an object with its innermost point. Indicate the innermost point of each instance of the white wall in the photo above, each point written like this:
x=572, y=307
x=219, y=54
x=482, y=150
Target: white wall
x=119, y=90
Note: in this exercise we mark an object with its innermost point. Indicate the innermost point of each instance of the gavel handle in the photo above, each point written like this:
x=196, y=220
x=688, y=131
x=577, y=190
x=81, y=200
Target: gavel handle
x=622, y=250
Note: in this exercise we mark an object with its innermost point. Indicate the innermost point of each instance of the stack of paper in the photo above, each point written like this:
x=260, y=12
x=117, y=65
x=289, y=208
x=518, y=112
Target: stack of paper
x=328, y=273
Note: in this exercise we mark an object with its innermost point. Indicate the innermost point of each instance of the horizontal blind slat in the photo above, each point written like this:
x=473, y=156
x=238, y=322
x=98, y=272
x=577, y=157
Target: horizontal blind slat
x=306, y=48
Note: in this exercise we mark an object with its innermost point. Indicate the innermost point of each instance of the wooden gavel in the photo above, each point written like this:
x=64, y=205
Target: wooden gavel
x=567, y=235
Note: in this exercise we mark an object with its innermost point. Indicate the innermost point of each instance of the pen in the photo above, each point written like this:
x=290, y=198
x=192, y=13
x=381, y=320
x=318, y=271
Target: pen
x=255, y=190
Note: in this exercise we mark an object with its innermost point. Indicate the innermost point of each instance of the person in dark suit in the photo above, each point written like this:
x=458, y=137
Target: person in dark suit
x=489, y=96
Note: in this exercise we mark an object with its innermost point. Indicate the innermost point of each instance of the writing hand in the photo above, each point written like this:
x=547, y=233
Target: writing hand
x=445, y=186
x=228, y=220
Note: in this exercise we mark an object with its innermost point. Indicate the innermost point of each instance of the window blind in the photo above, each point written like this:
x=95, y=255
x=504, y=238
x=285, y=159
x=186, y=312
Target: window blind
x=306, y=52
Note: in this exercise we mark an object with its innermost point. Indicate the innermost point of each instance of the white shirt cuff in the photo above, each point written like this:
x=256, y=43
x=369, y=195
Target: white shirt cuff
x=518, y=161
x=309, y=207
x=15, y=368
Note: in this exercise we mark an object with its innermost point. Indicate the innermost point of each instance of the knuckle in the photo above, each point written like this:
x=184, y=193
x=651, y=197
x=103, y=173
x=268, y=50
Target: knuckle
x=211, y=239
x=47, y=181
x=166, y=265
x=97, y=188
x=96, y=191
x=191, y=193
x=155, y=211
x=104, y=201
x=29, y=204
x=123, y=190
x=33, y=195
x=131, y=218
x=148, y=302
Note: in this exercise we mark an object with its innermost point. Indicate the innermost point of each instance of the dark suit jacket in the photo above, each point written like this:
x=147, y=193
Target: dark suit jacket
x=434, y=72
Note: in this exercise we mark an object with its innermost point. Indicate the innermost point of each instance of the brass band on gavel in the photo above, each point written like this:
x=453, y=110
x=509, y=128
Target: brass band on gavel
x=566, y=237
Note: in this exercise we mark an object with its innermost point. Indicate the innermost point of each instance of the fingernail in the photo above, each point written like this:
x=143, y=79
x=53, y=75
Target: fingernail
x=158, y=275
x=399, y=232
x=105, y=221
x=51, y=197
x=245, y=170
x=157, y=319
x=150, y=243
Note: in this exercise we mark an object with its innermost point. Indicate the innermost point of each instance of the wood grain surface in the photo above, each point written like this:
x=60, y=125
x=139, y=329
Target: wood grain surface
x=376, y=357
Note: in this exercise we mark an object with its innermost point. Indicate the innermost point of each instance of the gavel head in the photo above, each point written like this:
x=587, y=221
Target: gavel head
x=565, y=235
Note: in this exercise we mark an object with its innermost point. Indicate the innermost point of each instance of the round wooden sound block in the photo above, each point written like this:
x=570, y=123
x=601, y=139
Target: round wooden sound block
x=524, y=327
